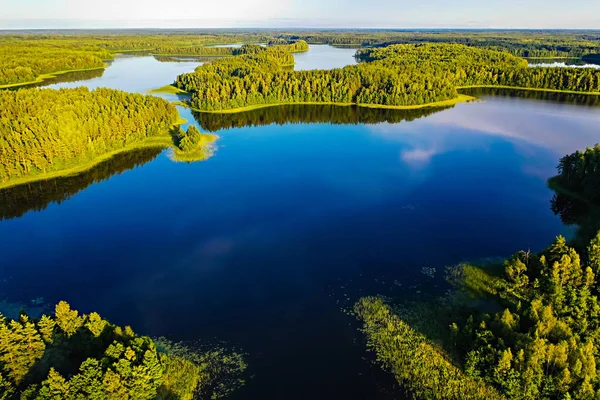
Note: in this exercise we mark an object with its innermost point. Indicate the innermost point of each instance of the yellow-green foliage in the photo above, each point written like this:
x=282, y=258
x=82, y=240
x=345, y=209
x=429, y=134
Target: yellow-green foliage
x=181, y=378
x=24, y=63
x=393, y=76
x=71, y=357
x=25, y=58
x=542, y=344
x=415, y=362
x=541, y=44
x=44, y=130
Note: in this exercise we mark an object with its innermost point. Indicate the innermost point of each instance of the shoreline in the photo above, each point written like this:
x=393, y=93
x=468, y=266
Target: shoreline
x=462, y=98
x=43, y=77
x=164, y=141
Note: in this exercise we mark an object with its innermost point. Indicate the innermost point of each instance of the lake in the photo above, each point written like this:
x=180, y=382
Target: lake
x=300, y=211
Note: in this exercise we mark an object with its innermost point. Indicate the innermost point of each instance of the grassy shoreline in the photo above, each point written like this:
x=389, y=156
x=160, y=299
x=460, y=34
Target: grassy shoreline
x=167, y=89
x=445, y=103
x=524, y=88
x=41, y=78
x=164, y=141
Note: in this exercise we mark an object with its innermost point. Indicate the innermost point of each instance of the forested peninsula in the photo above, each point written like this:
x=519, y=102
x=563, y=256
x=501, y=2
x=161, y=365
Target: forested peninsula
x=397, y=76
x=46, y=133
x=71, y=356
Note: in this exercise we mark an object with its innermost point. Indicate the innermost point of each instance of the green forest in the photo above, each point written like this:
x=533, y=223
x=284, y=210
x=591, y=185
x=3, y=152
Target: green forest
x=73, y=356
x=44, y=132
x=534, y=44
x=543, y=345
x=393, y=76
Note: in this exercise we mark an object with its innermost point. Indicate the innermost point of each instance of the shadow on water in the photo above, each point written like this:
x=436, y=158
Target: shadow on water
x=18, y=200
x=304, y=113
x=579, y=212
x=557, y=97
x=74, y=76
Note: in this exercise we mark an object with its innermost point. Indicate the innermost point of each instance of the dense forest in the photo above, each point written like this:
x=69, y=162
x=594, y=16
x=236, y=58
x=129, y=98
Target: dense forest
x=542, y=345
x=44, y=130
x=397, y=75
x=72, y=356
x=20, y=64
x=27, y=57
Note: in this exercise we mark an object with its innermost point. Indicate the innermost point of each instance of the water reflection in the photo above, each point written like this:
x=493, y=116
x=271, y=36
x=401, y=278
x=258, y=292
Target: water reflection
x=556, y=122
x=17, y=200
x=557, y=97
x=305, y=113
x=74, y=76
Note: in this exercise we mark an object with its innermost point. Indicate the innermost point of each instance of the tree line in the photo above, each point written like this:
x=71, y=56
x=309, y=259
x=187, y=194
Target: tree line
x=539, y=44
x=398, y=75
x=72, y=356
x=23, y=58
x=19, y=63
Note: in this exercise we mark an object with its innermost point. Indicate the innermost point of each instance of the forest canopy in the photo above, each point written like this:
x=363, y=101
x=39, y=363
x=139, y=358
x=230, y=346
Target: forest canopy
x=45, y=130
x=393, y=76
x=72, y=356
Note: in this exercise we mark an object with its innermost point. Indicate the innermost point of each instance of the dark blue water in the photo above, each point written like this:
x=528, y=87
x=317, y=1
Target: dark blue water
x=257, y=245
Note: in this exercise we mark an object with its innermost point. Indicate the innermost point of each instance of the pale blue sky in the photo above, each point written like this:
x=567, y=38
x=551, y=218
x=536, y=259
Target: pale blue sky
x=300, y=13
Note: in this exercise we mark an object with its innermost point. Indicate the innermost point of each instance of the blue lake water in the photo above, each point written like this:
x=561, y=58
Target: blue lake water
x=261, y=245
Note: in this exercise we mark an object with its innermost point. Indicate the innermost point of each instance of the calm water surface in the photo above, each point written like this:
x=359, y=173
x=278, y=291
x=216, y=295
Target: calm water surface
x=322, y=56
x=260, y=245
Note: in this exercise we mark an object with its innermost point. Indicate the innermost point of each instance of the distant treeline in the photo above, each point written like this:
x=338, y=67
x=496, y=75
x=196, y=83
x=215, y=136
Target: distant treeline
x=19, y=63
x=24, y=58
x=465, y=66
x=546, y=44
x=397, y=75
x=307, y=113
x=44, y=130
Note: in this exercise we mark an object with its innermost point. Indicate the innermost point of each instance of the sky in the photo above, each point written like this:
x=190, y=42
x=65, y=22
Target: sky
x=534, y=14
